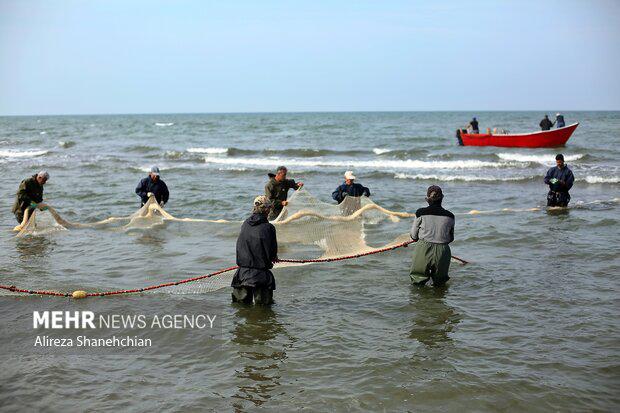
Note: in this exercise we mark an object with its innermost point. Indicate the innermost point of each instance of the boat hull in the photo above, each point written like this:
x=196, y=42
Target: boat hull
x=540, y=139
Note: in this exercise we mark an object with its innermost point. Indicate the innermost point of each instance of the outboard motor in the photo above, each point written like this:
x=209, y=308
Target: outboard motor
x=458, y=136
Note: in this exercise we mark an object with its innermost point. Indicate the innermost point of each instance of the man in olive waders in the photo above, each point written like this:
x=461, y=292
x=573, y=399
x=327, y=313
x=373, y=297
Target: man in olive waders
x=433, y=229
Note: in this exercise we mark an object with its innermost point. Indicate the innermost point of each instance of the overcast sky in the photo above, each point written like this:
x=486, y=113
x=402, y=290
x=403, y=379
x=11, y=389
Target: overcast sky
x=108, y=56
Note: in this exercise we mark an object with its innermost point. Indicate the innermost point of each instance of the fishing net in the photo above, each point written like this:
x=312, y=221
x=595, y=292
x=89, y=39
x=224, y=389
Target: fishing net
x=307, y=228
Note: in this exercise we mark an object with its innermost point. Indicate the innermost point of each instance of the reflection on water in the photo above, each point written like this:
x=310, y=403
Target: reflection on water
x=257, y=332
x=152, y=239
x=433, y=319
x=34, y=250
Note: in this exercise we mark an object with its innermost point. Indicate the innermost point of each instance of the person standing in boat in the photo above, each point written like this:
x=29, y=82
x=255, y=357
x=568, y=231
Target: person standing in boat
x=546, y=123
x=473, y=126
x=560, y=180
x=559, y=120
x=433, y=230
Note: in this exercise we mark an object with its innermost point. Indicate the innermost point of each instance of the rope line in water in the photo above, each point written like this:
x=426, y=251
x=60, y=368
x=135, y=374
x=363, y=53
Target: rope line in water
x=83, y=294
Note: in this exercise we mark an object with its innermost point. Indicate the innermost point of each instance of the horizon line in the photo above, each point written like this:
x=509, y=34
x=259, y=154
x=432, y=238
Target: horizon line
x=307, y=112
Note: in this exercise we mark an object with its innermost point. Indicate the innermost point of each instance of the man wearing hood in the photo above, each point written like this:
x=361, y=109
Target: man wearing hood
x=30, y=195
x=277, y=188
x=559, y=120
x=433, y=229
x=257, y=249
x=560, y=180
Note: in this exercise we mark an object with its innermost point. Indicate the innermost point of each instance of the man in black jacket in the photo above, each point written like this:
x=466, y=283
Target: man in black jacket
x=546, y=123
x=257, y=249
x=349, y=188
x=152, y=185
x=30, y=195
x=560, y=180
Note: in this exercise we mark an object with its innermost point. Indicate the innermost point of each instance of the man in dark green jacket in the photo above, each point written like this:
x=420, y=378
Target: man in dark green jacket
x=30, y=195
x=277, y=190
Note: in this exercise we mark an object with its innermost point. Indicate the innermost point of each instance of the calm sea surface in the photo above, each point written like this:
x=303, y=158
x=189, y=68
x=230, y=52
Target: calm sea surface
x=532, y=324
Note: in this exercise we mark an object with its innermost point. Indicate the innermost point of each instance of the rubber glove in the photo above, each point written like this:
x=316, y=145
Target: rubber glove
x=150, y=194
x=32, y=205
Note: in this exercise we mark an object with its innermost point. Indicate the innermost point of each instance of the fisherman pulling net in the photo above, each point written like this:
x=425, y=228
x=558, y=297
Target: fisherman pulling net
x=307, y=229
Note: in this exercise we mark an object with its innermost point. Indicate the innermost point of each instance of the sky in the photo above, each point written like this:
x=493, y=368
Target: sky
x=152, y=56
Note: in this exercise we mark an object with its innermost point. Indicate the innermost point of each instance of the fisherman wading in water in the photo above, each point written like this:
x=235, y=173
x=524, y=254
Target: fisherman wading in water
x=30, y=195
x=433, y=229
x=257, y=249
x=560, y=180
x=277, y=188
x=153, y=185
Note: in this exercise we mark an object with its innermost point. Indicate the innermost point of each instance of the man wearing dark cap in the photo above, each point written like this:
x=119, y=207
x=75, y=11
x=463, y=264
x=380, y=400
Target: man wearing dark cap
x=153, y=185
x=277, y=188
x=473, y=126
x=257, y=249
x=30, y=195
x=433, y=229
x=560, y=180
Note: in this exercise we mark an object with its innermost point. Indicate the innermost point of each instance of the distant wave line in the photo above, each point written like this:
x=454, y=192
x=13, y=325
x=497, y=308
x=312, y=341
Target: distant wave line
x=381, y=164
x=541, y=159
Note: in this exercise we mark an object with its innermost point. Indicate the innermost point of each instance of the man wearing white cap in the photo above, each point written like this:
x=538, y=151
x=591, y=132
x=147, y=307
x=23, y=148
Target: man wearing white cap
x=152, y=185
x=559, y=120
x=30, y=195
x=349, y=188
x=257, y=249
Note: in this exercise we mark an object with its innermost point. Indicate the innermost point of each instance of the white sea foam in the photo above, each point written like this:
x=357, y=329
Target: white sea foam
x=602, y=180
x=164, y=124
x=379, y=165
x=22, y=154
x=380, y=151
x=541, y=159
x=42, y=133
x=211, y=151
x=464, y=178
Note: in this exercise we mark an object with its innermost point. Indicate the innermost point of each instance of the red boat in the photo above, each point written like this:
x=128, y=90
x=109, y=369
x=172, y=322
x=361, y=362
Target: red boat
x=540, y=139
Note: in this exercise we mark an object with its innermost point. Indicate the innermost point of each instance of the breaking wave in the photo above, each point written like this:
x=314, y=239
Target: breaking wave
x=211, y=151
x=541, y=159
x=9, y=153
x=465, y=178
x=379, y=164
x=602, y=180
x=164, y=123
x=380, y=151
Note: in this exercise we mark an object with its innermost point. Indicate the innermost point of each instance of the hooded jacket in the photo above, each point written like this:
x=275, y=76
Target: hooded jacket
x=158, y=188
x=29, y=191
x=257, y=249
